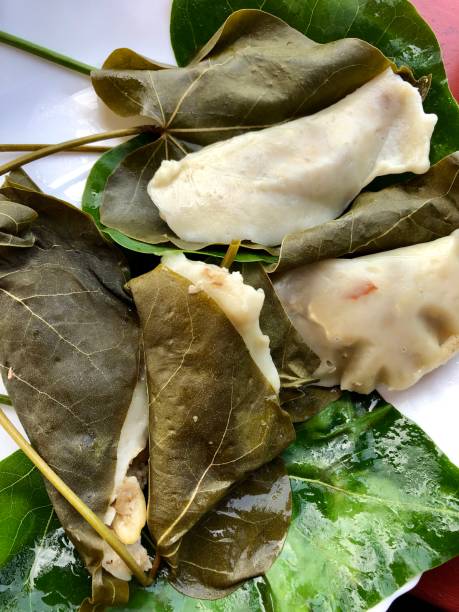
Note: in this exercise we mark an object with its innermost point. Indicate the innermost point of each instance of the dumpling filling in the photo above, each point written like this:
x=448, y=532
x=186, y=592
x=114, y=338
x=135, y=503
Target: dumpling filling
x=241, y=303
x=127, y=513
x=263, y=185
x=387, y=318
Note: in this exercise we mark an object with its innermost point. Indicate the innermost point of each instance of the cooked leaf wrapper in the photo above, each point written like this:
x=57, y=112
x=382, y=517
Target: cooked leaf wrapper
x=69, y=357
x=15, y=221
x=238, y=539
x=305, y=402
x=387, y=318
x=214, y=416
x=294, y=360
x=419, y=210
x=280, y=75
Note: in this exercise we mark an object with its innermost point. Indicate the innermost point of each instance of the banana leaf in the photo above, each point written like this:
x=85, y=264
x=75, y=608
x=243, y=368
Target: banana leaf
x=214, y=417
x=419, y=210
x=69, y=358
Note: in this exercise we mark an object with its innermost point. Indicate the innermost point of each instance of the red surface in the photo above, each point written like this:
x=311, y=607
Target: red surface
x=443, y=17
x=440, y=586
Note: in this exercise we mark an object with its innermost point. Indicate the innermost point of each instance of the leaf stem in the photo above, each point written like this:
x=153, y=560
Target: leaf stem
x=230, y=254
x=92, y=519
x=5, y=400
x=6, y=148
x=71, y=144
x=44, y=52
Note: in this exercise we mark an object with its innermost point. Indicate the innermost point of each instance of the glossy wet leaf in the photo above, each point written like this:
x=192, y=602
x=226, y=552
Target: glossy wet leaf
x=25, y=509
x=393, y=26
x=212, y=420
x=46, y=576
x=69, y=355
x=294, y=360
x=239, y=538
x=419, y=210
x=254, y=72
x=374, y=504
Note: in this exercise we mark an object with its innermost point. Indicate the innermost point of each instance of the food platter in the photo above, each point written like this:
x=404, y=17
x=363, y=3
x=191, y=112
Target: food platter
x=66, y=107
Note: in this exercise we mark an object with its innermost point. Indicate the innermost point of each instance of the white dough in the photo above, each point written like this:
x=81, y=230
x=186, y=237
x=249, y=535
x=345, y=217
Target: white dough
x=241, y=303
x=387, y=318
x=263, y=185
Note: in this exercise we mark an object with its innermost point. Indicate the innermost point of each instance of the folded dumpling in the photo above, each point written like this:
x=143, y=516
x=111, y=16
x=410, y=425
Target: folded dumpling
x=263, y=185
x=214, y=406
x=387, y=318
x=70, y=359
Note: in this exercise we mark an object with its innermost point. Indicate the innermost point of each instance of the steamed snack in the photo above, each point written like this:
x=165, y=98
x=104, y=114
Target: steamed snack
x=263, y=185
x=69, y=357
x=387, y=318
x=215, y=415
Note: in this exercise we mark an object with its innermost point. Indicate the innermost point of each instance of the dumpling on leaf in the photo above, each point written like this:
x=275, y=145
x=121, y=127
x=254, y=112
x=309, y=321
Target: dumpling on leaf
x=70, y=359
x=382, y=319
x=214, y=408
x=262, y=185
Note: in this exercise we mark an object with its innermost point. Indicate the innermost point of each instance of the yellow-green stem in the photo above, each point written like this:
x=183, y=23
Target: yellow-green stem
x=230, y=254
x=70, y=144
x=10, y=148
x=89, y=516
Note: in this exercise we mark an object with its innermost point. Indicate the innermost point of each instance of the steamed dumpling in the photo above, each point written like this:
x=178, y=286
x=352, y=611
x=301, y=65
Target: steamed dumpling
x=241, y=303
x=263, y=185
x=387, y=318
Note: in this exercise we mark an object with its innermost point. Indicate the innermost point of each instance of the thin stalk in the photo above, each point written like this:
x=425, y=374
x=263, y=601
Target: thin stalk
x=70, y=144
x=44, y=52
x=89, y=516
x=230, y=254
x=5, y=400
x=7, y=148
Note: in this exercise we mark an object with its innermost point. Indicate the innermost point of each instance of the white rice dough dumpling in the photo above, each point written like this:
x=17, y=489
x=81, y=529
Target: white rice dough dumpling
x=265, y=184
x=241, y=303
x=387, y=318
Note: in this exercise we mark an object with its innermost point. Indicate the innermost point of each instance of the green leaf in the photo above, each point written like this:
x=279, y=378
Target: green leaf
x=64, y=298
x=212, y=421
x=304, y=402
x=374, y=502
x=393, y=26
x=419, y=210
x=25, y=509
x=46, y=576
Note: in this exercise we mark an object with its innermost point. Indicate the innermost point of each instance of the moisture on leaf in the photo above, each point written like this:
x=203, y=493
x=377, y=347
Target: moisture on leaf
x=69, y=358
x=238, y=539
x=214, y=416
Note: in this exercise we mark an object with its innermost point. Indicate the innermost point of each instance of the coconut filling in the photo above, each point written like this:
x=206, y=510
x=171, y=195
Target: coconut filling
x=127, y=513
x=241, y=303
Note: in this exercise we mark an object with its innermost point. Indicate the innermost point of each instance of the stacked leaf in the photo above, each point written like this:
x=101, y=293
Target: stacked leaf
x=68, y=354
x=215, y=419
x=280, y=75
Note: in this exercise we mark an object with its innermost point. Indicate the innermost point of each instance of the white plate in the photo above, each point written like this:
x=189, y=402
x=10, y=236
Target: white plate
x=42, y=102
